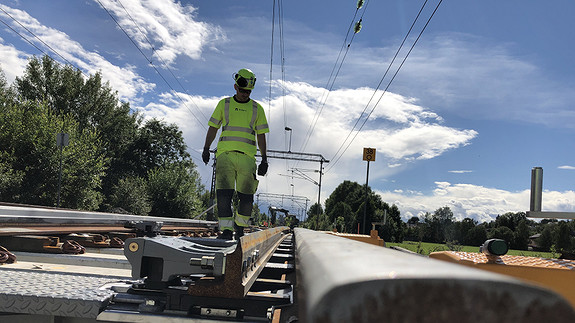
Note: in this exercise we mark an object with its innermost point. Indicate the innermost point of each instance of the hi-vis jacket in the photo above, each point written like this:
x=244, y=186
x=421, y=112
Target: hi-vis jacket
x=241, y=123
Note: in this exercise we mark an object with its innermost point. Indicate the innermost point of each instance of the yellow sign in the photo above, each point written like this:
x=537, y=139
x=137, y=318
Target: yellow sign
x=369, y=154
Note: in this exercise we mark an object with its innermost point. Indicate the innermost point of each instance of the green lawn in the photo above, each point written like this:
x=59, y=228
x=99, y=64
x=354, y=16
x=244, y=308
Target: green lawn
x=425, y=248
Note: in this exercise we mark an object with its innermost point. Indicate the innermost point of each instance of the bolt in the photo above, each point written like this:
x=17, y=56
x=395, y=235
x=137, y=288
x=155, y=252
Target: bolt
x=228, y=313
x=208, y=311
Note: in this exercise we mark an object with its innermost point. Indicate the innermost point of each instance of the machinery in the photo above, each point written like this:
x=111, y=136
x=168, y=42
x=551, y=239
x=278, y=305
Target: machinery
x=204, y=277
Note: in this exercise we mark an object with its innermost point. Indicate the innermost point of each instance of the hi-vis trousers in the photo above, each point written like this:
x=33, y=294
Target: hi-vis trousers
x=235, y=171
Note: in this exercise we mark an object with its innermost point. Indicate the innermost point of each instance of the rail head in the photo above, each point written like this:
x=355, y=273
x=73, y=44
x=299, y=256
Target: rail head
x=340, y=280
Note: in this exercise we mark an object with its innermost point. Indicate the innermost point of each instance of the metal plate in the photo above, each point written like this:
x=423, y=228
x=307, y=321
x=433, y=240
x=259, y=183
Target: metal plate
x=50, y=293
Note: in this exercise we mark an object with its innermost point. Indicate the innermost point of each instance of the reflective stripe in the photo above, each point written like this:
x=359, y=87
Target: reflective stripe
x=239, y=134
x=241, y=129
x=254, y=114
x=226, y=224
x=227, y=111
x=242, y=220
x=240, y=139
x=262, y=126
x=215, y=121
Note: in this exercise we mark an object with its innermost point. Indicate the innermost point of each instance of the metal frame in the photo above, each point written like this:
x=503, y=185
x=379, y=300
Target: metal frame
x=535, y=204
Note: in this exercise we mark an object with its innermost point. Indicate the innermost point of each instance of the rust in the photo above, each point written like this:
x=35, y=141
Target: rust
x=6, y=257
x=237, y=280
x=73, y=247
x=116, y=242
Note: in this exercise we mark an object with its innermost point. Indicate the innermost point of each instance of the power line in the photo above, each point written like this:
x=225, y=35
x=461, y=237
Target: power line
x=389, y=83
x=166, y=66
x=329, y=86
x=381, y=81
x=31, y=43
x=152, y=64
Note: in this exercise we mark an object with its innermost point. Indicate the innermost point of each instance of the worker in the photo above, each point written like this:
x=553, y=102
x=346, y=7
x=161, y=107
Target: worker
x=242, y=120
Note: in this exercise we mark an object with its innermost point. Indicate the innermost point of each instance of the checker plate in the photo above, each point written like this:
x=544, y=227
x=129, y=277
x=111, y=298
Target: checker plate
x=53, y=293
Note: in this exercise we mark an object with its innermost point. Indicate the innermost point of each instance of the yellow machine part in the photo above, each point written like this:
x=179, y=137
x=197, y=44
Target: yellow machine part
x=555, y=274
x=373, y=238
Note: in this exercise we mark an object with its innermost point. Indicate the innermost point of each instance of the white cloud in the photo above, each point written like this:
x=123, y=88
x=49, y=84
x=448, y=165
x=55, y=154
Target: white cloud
x=170, y=27
x=402, y=132
x=567, y=167
x=476, y=202
x=13, y=61
x=123, y=79
x=460, y=171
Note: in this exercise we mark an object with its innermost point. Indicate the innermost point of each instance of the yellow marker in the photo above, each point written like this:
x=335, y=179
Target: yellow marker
x=133, y=246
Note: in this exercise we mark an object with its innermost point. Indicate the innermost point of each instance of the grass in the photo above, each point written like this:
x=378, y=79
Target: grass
x=425, y=248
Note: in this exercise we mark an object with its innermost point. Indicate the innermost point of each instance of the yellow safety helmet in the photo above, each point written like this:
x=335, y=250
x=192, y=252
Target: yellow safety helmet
x=245, y=79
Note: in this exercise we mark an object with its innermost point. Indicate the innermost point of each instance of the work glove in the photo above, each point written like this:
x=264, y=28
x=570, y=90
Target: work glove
x=206, y=155
x=263, y=167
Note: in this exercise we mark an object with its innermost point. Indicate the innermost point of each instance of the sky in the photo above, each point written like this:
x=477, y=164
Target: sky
x=479, y=92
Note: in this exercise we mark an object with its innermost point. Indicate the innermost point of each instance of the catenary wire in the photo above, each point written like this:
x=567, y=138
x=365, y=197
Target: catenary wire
x=388, y=85
x=335, y=157
x=153, y=66
x=35, y=36
x=331, y=82
x=166, y=66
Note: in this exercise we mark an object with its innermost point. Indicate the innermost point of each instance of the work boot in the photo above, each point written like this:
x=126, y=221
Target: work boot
x=239, y=231
x=226, y=235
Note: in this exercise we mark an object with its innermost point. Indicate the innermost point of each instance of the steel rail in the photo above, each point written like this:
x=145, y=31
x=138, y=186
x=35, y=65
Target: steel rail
x=12, y=214
x=243, y=265
x=348, y=281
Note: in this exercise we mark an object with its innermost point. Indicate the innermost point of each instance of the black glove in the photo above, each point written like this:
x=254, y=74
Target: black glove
x=206, y=155
x=263, y=167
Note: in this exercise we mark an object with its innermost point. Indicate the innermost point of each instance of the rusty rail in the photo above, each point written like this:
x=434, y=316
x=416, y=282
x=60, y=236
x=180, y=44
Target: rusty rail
x=243, y=265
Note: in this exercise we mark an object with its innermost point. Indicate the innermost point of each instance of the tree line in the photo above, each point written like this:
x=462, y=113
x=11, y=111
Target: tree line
x=116, y=160
x=344, y=212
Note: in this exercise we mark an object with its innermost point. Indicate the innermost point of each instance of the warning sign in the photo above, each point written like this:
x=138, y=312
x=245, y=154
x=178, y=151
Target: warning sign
x=369, y=154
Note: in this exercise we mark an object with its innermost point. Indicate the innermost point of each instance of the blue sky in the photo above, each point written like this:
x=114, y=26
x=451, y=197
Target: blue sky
x=485, y=95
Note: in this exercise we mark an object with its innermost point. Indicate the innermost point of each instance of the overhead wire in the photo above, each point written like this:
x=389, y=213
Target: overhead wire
x=166, y=66
x=334, y=159
x=278, y=8
x=152, y=64
x=38, y=38
x=330, y=83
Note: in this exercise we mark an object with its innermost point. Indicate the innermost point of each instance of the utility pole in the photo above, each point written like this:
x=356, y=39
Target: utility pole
x=368, y=155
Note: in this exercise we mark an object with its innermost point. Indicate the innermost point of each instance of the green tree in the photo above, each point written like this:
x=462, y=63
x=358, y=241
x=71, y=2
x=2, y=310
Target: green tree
x=564, y=242
x=476, y=236
x=313, y=216
x=438, y=225
x=503, y=233
x=343, y=211
x=30, y=158
x=353, y=195
x=93, y=105
x=156, y=144
x=461, y=228
x=348, y=192
x=510, y=220
x=521, y=236
x=131, y=195
x=175, y=191
x=545, y=241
